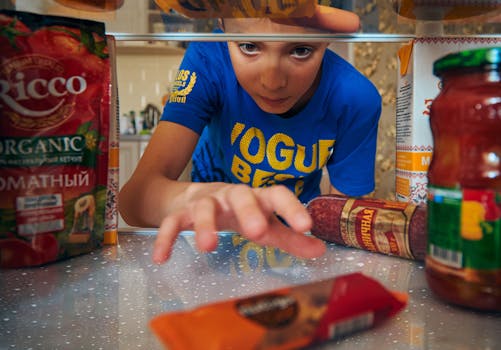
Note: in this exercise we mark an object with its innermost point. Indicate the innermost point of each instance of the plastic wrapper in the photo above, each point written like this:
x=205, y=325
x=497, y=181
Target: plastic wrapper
x=93, y=5
x=239, y=8
x=446, y=10
x=287, y=318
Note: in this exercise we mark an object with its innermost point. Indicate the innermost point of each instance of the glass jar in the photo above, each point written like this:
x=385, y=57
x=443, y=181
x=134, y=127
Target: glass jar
x=463, y=262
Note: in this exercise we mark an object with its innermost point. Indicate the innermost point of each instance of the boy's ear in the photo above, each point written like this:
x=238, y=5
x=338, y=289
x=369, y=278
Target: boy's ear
x=220, y=24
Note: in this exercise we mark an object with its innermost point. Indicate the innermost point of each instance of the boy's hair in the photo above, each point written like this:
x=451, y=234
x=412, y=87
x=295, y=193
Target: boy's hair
x=290, y=22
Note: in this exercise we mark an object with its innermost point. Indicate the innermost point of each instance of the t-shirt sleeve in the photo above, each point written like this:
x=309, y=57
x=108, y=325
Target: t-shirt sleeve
x=351, y=167
x=194, y=95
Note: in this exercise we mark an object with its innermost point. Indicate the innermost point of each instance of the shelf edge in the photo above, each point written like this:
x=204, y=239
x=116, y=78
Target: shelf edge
x=364, y=37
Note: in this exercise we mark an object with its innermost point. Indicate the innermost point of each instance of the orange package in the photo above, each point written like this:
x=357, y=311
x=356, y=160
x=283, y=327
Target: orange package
x=287, y=318
x=239, y=8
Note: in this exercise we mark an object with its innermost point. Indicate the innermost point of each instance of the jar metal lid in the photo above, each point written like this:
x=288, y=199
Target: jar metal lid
x=476, y=59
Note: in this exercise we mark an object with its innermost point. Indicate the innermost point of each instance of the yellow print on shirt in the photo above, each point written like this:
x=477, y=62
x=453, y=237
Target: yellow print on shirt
x=280, y=152
x=183, y=85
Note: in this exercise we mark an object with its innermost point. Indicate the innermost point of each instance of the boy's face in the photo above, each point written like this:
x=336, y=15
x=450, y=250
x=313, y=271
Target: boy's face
x=280, y=76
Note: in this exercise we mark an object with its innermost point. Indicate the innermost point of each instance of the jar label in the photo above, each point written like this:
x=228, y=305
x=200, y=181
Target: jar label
x=464, y=227
x=377, y=226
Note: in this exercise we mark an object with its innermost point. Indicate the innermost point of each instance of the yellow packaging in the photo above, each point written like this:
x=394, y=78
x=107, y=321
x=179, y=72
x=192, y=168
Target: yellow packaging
x=445, y=10
x=239, y=8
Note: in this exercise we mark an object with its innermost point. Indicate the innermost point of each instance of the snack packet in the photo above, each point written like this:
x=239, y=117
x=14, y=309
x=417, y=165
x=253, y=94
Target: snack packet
x=287, y=318
x=239, y=8
x=55, y=109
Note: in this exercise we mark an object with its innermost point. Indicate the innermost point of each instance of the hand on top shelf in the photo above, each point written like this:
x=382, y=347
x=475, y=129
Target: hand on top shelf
x=305, y=13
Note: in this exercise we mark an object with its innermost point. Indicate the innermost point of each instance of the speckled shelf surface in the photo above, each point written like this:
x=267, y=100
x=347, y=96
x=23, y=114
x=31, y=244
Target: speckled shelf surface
x=104, y=300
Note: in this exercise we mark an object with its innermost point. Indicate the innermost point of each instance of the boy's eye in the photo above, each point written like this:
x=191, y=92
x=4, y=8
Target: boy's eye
x=248, y=48
x=301, y=52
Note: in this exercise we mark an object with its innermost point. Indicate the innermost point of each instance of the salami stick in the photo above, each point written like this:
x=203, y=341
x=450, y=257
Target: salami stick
x=383, y=226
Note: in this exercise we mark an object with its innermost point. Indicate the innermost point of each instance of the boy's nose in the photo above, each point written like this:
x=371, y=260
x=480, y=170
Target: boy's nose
x=273, y=77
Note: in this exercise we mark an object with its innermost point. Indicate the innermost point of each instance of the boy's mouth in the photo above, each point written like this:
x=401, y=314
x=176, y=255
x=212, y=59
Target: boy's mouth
x=274, y=102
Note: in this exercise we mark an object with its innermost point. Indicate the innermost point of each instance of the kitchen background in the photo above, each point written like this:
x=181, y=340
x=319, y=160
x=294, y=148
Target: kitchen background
x=146, y=69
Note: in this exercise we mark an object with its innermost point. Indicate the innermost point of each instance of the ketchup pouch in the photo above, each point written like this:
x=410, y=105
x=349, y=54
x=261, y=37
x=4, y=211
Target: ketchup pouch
x=55, y=111
x=287, y=318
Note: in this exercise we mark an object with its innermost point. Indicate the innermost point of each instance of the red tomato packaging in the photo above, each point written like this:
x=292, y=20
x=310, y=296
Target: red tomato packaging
x=55, y=107
x=288, y=318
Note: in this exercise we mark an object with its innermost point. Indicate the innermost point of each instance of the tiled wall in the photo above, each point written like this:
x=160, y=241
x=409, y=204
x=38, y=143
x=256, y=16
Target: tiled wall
x=378, y=62
x=144, y=76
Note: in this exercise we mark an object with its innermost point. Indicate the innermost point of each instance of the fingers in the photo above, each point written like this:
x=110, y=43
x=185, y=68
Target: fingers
x=250, y=212
x=295, y=243
x=284, y=203
x=298, y=245
x=335, y=20
x=306, y=247
x=166, y=237
x=254, y=208
x=255, y=212
x=251, y=219
x=205, y=225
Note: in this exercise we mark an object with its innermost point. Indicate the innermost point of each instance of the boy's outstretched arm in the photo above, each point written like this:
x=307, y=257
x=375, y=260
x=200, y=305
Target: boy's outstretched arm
x=154, y=198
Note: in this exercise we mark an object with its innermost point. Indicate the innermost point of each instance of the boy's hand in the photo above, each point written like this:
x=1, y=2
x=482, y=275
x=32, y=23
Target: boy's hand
x=328, y=19
x=249, y=211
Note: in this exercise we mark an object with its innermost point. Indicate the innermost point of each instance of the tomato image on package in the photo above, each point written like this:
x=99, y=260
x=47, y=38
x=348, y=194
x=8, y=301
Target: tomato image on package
x=54, y=127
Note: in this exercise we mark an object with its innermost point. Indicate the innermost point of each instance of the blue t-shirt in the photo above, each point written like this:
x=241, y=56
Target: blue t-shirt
x=240, y=143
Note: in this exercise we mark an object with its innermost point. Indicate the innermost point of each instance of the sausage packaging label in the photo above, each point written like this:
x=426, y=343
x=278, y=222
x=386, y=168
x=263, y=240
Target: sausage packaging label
x=380, y=227
x=377, y=225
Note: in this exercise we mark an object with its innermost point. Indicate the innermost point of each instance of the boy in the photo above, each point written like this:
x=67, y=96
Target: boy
x=261, y=120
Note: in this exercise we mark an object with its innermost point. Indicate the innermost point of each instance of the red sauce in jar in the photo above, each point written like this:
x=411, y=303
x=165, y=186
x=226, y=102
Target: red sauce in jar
x=463, y=262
